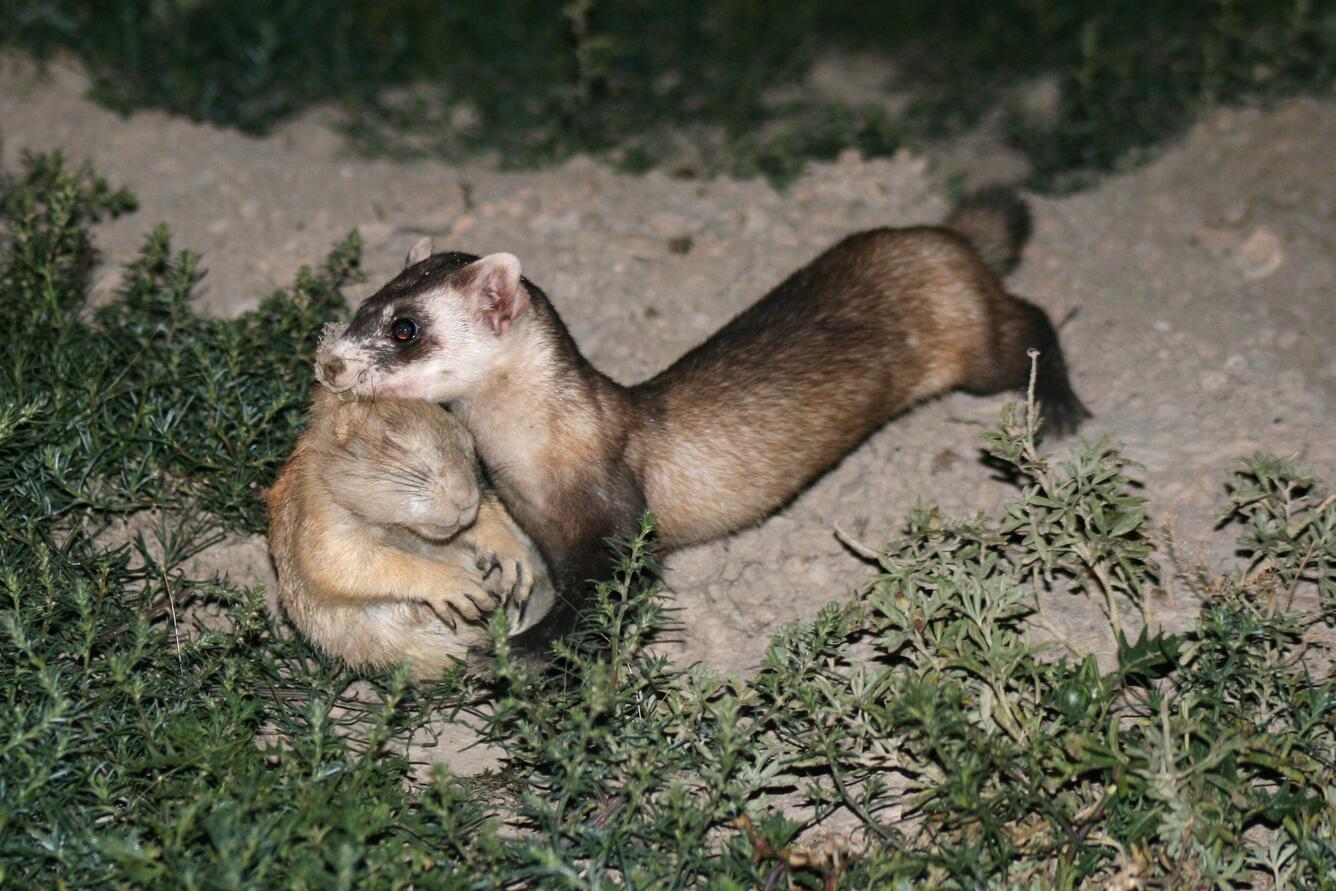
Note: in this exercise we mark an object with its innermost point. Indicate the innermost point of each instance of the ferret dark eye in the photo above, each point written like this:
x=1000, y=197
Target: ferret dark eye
x=404, y=330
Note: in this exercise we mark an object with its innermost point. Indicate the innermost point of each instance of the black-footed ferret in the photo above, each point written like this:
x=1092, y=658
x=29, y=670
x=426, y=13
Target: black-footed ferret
x=365, y=525
x=738, y=425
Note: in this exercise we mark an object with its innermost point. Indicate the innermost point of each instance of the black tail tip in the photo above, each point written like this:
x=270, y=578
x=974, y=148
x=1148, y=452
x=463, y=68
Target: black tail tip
x=1061, y=410
x=1005, y=205
x=997, y=221
x=1061, y=417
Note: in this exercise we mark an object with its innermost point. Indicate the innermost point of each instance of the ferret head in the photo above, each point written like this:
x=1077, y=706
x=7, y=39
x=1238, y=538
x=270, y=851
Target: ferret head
x=435, y=332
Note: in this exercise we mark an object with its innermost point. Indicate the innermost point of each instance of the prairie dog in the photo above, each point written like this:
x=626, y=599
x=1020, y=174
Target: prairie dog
x=364, y=527
x=738, y=425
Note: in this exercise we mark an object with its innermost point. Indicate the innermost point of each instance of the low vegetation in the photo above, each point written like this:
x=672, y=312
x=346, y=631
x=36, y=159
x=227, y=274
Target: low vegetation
x=162, y=730
x=534, y=82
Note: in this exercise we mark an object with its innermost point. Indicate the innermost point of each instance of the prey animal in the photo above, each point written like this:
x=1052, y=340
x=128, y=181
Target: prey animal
x=387, y=547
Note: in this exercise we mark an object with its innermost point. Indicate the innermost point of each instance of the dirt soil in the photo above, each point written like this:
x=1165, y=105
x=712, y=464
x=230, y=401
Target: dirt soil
x=1203, y=286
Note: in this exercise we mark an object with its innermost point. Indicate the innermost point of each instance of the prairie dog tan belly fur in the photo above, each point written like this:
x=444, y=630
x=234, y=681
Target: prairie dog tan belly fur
x=739, y=424
x=365, y=525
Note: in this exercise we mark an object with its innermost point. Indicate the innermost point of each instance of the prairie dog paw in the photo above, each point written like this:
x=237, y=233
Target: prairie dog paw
x=508, y=575
x=502, y=552
x=468, y=603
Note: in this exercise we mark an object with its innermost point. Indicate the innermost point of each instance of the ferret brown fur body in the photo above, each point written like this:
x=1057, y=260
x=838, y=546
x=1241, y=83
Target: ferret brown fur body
x=738, y=425
x=365, y=525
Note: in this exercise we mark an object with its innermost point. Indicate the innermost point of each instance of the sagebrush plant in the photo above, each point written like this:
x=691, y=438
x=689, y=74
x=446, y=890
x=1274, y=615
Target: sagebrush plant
x=162, y=731
x=535, y=82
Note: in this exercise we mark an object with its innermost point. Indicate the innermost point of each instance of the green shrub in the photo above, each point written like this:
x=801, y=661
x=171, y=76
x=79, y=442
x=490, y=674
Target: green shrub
x=149, y=744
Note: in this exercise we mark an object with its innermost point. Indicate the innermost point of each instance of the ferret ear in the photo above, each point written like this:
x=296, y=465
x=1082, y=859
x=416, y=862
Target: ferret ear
x=420, y=252
x=498, y=291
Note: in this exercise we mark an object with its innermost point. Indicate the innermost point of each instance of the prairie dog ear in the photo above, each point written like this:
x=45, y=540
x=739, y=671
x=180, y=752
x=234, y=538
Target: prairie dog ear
x=420, y=252
x=500, y=295
x=349, y=417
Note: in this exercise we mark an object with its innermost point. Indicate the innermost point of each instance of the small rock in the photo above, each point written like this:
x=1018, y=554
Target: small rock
x=1261, y=254
x=1213, y=381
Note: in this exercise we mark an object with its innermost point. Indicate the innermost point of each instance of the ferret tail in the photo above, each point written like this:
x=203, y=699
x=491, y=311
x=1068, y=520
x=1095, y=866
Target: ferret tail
x=996, y=221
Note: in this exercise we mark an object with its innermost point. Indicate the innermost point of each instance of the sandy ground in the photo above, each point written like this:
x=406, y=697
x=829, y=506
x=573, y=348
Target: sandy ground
x=1204, y=285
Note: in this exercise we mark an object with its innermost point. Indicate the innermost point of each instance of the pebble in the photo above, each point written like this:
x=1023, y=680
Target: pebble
x=1213, y=381
x=1261, y=255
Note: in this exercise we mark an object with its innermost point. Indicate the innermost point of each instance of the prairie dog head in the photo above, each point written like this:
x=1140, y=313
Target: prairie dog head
x=400, y=463
x=436, y=332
